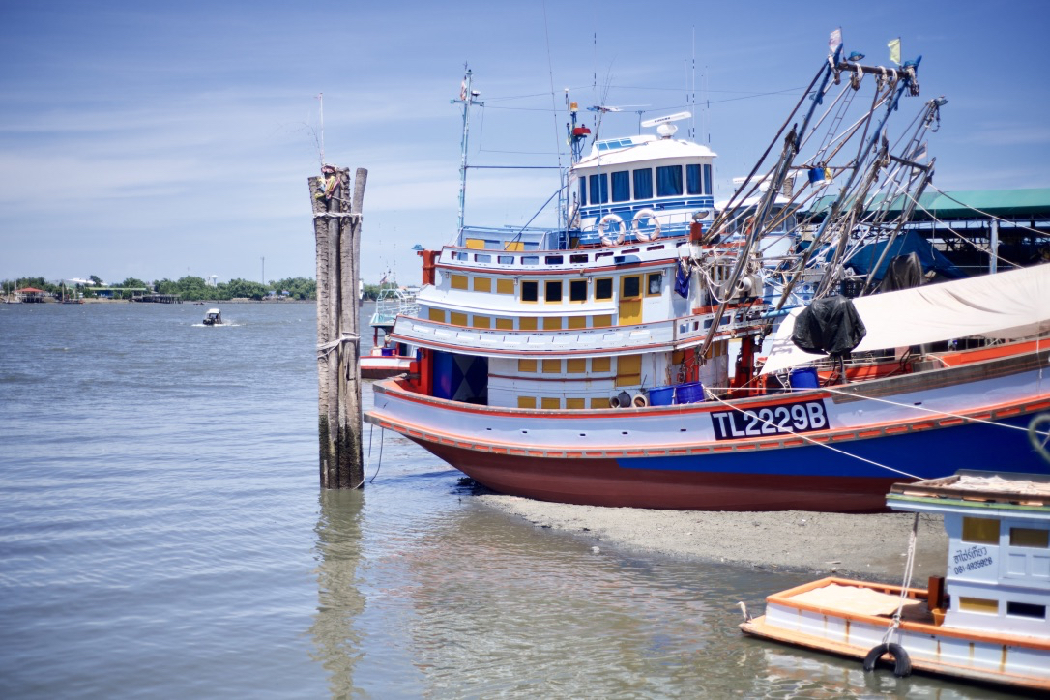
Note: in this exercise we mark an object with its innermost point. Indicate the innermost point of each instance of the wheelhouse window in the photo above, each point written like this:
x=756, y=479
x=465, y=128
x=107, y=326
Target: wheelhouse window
x=643, y=183
x=668, y=180
x=599, y=188
x=693, y=183
x=654, y=284
x=530, y=291
x=583, y=191
x=707, y=179
x=621, y=186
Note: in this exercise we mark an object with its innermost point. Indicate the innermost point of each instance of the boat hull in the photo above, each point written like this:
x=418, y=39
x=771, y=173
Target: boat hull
x=384, y=366
x=858, y=441
x=983, y=656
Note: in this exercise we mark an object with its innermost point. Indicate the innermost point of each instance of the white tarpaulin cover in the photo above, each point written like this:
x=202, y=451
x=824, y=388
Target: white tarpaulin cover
x=1005, y=305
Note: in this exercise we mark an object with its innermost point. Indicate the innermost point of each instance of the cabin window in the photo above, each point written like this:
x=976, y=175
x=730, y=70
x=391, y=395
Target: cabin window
x=632, y=287
x=601, y=321
x=707, y=179
x=526, y=365
x=621, y=186
x=436, y=315
x=984, y=530
x=603, y=289
x=601, y=364
x=576, y=366
x=548, y=402
x=482, y=321
x=654, y=284
x=504, y=324
x=1026, y=610
x=668, y=180
x=530, y=259
x=482, y=284
x=457, y=319
x=643, y=183
x=530, y=291
x=1029, y=537
x=551, y=366
x=554, y=259
x=505, y=259
x=577, y=322
x=599, y=402
x=458, y=281
x=578, y=258
x=583, y=191
x=526, y=402
x=552, y=291
x=575, y=403
x=504, y=286
x=482, y=257
x=693, y=184
x=979, y=605
x=552, y=323
x=527, y=323
x=599, y=189
x=578, y=290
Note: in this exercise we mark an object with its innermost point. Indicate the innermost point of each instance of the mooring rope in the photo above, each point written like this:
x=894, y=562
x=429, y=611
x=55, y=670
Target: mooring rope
x=909, y=570
x=325, y=349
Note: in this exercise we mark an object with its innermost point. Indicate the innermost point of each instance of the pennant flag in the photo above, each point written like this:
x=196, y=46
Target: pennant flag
x=920, y=152
x=463, y=89
x=895, y=50
x=835, y=40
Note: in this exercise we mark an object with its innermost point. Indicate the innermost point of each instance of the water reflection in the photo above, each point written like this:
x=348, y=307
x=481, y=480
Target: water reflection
x=337, y=639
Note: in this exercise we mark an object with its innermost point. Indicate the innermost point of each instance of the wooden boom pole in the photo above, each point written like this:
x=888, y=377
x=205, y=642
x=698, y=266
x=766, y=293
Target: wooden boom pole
x=337, y=239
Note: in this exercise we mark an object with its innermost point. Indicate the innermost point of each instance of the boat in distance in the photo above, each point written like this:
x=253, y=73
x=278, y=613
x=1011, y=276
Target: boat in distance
x=213, y=317
x=590, y=364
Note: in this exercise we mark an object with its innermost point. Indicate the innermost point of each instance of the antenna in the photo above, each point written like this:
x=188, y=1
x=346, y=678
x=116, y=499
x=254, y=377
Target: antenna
x=657, y=121
x=320, y=99
x=467, y=96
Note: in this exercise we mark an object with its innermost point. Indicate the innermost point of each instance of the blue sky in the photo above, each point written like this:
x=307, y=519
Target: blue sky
x=163, y=139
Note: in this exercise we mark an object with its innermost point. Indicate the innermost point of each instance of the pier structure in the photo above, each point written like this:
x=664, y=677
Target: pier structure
x=337, y=238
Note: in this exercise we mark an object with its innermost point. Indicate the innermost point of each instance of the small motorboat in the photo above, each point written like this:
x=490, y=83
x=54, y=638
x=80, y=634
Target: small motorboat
x=213, y=318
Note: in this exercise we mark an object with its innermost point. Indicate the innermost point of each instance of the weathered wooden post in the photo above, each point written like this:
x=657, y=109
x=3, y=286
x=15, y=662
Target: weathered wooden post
x=337, y=239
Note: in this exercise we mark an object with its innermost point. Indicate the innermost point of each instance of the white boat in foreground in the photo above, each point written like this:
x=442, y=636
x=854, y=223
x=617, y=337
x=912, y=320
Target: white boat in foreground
x=985, y=620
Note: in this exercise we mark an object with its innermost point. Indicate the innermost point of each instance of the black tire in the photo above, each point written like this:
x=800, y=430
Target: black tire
x=901, y=660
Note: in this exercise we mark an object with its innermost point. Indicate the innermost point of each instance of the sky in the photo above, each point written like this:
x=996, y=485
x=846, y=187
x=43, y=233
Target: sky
x=163, y=139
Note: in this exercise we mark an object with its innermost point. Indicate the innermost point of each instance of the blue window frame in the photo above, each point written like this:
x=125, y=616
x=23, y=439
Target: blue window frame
x=668, y=180
x=707, y=179
x=643, y=183
x=692, y=179
x=583, y=191
x=621, y=186
x=599, y=189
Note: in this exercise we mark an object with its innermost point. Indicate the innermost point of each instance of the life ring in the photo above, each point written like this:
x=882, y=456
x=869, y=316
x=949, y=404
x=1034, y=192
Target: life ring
x=608, y=240
x=636, y=227
x=901, y=660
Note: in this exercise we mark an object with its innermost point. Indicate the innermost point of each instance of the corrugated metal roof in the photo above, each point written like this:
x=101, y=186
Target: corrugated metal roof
x=960, y=205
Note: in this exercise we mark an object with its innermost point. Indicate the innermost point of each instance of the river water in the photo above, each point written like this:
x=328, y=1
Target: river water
x=162, y=534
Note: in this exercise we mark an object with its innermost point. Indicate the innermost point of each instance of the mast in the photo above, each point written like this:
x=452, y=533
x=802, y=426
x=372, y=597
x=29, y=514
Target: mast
x=467, y=97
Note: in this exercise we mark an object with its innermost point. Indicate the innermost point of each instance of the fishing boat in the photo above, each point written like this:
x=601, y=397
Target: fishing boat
x=212, y=318
x=388, y=358
x=984, y=620
x=590, y=363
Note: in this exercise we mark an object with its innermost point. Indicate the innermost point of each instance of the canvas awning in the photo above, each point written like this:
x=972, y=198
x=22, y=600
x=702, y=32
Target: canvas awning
x=1005, y=305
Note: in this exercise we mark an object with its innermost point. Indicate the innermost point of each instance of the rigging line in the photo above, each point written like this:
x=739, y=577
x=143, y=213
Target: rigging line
x=809, y=439
x=969, y=419
x=990, y=216
x=379, y=462
x=961, y=237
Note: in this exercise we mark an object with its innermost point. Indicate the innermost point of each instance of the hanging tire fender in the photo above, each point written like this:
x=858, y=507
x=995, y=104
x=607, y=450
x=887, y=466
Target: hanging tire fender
x=901, y=660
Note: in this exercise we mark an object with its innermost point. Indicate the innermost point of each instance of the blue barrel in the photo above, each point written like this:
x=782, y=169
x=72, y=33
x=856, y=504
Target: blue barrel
x=804, y=378
x=689, y=393
x=661, y=396
x=388, y=352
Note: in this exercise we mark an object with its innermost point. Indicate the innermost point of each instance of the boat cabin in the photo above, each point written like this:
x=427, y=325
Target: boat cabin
x=212, y=318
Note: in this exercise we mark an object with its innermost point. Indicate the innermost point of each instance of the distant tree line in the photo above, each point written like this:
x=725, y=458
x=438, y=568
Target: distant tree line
x=189, y=288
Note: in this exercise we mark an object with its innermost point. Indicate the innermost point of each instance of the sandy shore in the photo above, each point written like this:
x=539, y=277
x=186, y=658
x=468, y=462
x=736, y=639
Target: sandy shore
x=870, y=546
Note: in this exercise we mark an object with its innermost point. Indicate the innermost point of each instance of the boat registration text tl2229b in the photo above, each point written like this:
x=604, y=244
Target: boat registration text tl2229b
x=795, y=417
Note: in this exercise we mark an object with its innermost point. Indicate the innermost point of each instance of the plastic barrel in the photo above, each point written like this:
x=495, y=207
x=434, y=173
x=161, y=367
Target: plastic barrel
x=804, y=378
x=388, y=352
x=661, y=396
x=689, y=393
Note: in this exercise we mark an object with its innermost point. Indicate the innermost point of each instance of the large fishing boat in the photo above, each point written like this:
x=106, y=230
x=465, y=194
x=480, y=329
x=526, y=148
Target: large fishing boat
x=590, y=363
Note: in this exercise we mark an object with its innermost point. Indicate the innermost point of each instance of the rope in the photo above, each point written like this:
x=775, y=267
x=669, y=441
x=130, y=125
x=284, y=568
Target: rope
x=336, y=215
x=325, y=349
x=909, y=570
x=382, y=433
x=815, y=442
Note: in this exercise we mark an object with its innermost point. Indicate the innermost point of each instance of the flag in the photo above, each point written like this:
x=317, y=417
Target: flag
x=835, y=40
x=463, y=89
x=895, y=50
x=920, y=152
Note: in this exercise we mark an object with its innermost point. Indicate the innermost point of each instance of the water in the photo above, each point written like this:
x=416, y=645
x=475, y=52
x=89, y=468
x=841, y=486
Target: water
x=162, y=534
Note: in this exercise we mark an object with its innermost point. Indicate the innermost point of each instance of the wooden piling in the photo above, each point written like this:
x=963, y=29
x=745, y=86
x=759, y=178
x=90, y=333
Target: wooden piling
x=337, y=240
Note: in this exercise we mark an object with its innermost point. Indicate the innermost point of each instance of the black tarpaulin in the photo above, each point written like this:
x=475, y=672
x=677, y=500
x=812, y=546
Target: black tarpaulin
x=830, y=325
